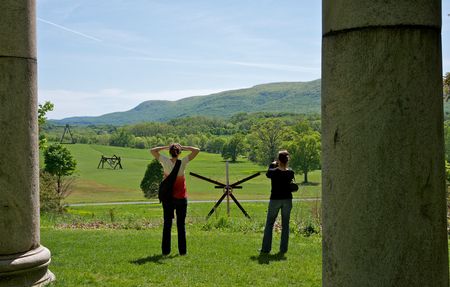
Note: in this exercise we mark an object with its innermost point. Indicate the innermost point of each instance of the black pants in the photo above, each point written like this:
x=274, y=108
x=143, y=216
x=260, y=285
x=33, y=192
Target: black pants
x=180, y=207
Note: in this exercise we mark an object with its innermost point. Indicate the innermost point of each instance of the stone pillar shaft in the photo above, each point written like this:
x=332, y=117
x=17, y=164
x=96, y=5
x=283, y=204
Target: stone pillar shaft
x=22, y=260
x=384, y=198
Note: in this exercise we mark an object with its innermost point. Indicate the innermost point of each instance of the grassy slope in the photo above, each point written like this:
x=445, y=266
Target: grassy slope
x=107, y=185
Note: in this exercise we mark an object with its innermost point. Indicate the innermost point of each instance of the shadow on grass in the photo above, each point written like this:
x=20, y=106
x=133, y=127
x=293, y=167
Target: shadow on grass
x=157, y=258
x=234, y=162
x=264, y=258
x=309, y=183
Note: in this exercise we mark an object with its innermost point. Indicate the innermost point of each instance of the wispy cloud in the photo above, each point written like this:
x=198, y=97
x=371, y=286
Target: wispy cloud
x=289, y=68
x=269, y=66
x=69, y=30
x=166, y=60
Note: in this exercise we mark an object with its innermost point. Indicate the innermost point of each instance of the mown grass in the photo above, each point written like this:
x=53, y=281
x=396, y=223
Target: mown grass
x=108, y=185
x=116, y=246
x=132, y=258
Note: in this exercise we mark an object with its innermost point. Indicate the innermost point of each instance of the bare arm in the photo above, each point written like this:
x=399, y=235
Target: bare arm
x=155, y=151
x=194, y=151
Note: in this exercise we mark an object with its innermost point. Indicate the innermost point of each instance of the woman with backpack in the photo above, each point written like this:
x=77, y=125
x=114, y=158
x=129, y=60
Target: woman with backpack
x=177, y=200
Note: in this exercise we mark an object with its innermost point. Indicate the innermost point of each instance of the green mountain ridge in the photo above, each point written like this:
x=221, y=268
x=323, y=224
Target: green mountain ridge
x=293, y=97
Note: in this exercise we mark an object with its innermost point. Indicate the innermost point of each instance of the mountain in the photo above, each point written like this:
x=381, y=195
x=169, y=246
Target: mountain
x=294, y=97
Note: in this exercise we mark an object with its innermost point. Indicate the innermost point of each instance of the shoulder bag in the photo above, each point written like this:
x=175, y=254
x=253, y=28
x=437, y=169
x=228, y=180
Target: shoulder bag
x=166, y=186
x=293, y=186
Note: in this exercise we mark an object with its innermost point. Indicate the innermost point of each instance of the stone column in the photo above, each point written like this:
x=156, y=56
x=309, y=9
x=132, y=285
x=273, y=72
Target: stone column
x=384, y=198
x=23, y=262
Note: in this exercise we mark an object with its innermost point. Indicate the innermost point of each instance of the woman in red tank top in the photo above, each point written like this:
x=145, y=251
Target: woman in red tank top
x=178, y=204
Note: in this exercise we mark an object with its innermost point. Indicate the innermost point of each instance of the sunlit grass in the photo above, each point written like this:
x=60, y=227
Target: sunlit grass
x=215, y=258
x=222, y=251
x=108, y=185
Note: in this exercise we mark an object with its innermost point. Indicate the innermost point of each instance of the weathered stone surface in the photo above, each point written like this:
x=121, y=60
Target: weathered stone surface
x=349, y=14
x=18, y=33
x=384, y=205
x=22, y=261
x=19, y=203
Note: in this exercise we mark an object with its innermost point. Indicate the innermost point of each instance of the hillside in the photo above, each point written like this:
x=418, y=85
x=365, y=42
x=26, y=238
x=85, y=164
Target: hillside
x=295, y=97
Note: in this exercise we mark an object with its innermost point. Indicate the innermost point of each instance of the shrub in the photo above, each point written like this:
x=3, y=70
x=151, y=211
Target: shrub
x=152, y=178
x=309, y=228
x=48, y=198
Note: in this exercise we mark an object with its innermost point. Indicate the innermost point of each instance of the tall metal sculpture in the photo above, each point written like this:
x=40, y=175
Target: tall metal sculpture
x=67, y=129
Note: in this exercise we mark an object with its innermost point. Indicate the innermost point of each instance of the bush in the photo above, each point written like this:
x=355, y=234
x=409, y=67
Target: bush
x=152, y=178
x=48, y=198
x=309, y=228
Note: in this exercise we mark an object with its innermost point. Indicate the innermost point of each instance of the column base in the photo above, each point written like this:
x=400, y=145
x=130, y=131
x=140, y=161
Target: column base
x=26, y=269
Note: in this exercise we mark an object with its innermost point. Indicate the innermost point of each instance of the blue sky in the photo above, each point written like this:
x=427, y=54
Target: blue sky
x=96, y=57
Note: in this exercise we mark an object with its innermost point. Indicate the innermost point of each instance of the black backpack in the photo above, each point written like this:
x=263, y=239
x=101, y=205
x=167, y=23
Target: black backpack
x=166, y=186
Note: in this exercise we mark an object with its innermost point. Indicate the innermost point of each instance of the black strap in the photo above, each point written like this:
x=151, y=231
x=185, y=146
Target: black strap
x=170, y=179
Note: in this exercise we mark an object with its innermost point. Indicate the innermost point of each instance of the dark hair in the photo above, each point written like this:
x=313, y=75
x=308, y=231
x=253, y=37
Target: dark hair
x=283, y=156
x=175, y=149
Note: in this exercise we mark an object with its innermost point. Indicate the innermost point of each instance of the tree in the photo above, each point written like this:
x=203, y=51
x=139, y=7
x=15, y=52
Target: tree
x=446, y=86
x=121, y=138
x=305, y=153
x=233, y=148
x=60, y=163
x=265, y=140
x=447, y=139
x=152, y=178
x=42, y=111
x=447, y=177
x=48, y=198
x=215, y=145
x=302, y=127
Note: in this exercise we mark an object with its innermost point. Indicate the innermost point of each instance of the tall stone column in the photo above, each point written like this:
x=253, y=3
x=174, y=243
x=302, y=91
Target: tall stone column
x=23, y=262
x=384, y=206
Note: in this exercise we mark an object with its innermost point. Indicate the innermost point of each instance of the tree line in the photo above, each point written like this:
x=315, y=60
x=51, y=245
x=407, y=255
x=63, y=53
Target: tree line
x=255, y=136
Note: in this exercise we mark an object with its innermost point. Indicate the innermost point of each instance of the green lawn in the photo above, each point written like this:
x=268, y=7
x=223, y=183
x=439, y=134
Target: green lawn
x=107, y=185
x=132, y=258
x=120, y=246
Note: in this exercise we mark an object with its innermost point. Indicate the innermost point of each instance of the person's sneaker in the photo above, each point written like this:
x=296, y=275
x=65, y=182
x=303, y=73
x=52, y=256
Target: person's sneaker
x=263, y=252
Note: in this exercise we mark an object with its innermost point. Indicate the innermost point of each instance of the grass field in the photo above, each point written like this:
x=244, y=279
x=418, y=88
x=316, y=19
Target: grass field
x=120, y=246
x=108, y=185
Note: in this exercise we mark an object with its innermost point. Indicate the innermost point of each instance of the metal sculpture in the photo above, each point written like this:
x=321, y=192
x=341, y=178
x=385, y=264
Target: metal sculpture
x=113, y=162
x=67, y=129
x=227, y=191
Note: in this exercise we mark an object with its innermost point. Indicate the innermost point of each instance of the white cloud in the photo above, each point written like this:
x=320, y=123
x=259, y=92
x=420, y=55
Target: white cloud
x=80, y=103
